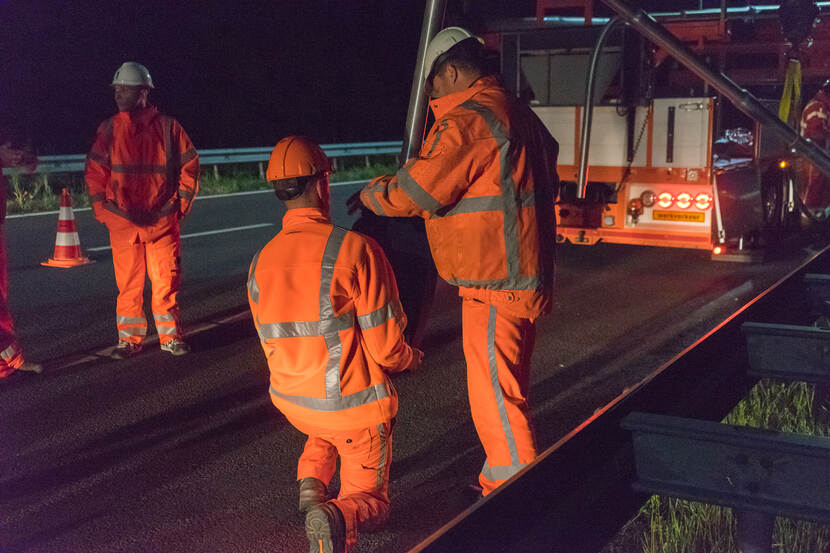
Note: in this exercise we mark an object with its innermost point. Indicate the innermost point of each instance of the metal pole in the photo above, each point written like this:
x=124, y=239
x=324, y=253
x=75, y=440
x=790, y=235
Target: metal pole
x=743, y=100
x=416, y=114
x=585, y=136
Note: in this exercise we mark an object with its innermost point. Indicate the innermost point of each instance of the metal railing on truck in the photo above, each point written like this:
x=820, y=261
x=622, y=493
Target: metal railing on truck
x=579, y=492
x=74, y=163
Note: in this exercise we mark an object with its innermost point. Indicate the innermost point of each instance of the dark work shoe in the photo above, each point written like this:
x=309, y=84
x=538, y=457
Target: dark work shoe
x=125, y=350
x=325, y=529
x=312, y=492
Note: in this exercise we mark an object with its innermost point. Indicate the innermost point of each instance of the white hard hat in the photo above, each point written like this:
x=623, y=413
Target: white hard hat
x=442, y=42
x=132, y=74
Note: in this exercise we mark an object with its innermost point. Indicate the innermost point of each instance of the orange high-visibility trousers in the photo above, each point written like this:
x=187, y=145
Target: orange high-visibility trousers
x=161, y=259
x=11, y=356
x=497, y=348
x=365, y=456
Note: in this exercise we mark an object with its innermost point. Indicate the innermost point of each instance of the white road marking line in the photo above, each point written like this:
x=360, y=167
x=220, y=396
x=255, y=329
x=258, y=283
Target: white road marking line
x=211, y=197
x=195, y=234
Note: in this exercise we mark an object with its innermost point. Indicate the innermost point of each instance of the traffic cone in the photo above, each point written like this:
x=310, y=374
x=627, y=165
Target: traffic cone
x=67, y=244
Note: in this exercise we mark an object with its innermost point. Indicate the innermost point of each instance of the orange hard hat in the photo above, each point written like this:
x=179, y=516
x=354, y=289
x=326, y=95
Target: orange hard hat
x=297, y=156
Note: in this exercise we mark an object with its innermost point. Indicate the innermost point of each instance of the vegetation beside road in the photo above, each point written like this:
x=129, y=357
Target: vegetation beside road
x=666, y=525
x=34, y=193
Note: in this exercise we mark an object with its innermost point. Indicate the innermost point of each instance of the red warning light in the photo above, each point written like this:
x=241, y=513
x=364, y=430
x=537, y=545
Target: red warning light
x=703, y=201
x=717, y=250
x=684, y=200
x=665, y=199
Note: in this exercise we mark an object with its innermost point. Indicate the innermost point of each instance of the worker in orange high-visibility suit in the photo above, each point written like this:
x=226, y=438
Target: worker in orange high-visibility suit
x=326, y=306
x=485, y=182
x=142, y=174
x=11, y=355
x=815, y=125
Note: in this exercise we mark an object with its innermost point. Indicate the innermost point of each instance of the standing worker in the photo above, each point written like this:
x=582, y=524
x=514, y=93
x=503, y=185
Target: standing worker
x=142, y=175
x=11, y=356
x=485, y=182
x=325, y=304
x=816, y=126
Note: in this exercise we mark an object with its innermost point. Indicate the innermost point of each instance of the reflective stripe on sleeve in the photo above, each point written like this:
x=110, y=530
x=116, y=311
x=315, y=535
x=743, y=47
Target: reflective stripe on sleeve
x=9, y=352
x=253, y=288
x=391, y=310
x=98, y=158
x=97, y=198
x=188, y=155
x=138, y=169
x=416, y=192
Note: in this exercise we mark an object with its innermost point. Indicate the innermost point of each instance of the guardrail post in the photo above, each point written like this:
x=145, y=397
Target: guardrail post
x=216, y=172
x=754, y=531
x=367, y=160
x=261, y=170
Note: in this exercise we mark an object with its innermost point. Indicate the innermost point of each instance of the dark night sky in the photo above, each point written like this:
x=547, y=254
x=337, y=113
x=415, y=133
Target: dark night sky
x=234, y=73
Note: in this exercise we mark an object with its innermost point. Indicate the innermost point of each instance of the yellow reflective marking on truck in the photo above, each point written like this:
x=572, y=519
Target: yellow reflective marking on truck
x=679, y=216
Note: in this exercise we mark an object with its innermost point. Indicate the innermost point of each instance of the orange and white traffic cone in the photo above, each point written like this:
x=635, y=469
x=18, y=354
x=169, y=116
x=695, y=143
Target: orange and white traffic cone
x=67, y=244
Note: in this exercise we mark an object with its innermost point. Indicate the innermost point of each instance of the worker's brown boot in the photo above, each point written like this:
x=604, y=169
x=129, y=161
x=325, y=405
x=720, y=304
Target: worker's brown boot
x=325, y=529
x=312, y=492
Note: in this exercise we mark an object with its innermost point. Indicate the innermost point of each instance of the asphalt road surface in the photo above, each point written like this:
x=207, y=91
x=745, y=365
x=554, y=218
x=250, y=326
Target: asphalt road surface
x=164, y=454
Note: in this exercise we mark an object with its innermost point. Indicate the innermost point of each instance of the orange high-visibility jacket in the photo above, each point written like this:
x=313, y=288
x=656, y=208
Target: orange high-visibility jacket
x=814, y=120
x=325, y=304
x=485, y=181
x=142, y=171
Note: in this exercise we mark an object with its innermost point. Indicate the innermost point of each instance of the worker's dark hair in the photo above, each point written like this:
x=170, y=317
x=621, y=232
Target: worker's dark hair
x=290, y=189
x=468, y=55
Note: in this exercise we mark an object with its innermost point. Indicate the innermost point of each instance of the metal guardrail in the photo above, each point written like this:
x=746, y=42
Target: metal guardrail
x=74, y=163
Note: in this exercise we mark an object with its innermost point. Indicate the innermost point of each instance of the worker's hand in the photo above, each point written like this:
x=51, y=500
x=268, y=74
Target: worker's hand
x=417, y=358
x=10, y=156
x=354, y=203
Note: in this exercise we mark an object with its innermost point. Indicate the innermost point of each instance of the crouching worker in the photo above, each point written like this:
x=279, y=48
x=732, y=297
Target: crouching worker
x=325, y=304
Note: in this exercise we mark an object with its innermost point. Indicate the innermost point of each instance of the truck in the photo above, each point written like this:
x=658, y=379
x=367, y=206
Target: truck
x=652, y=154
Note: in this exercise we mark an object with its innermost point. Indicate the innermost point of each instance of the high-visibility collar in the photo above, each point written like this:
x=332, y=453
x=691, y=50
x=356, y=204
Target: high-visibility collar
x=302, y=215
x=441, y=106
x=139, y=118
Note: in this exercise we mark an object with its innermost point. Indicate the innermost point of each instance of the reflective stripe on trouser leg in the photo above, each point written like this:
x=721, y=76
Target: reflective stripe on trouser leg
x=318, y=460
x=365, y=456
x=497, y=349
x=128, y=262
x=164, y=270
x=12, y=356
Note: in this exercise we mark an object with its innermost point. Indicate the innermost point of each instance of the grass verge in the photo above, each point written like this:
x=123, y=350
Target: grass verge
x=666, y=525
x=34, y=193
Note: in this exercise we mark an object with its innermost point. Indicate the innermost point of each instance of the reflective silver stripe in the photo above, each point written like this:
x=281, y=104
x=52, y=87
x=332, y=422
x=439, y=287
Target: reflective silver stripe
x=186, y=194
x=9, y=352
x=494, y=380
x=98, y=158
x=377, y=208
x=299, y=329
x=127, y=332
x=527, y=282
x=391, y=310
x=136, y=169
x=375, y=393
x=383, y=447
x=508, y=187
x=97, y=198
x=130, y=320
x=331, y=336
x=67, y=239
x=416, y=192
x=165, y=317
x=111, y=207
x=496, y=474
x=476, y=205
x=188, y=155
x=253, y=289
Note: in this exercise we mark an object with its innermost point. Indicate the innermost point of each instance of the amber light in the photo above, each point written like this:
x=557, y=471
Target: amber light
x=717, y=250
x=703, y=201
x=782, y=164
x=665, y=199
x=684, y=200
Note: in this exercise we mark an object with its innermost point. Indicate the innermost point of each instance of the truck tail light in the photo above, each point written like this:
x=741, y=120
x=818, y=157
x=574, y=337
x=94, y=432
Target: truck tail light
x=703, y=201
x=665, y=199
x=684, y=200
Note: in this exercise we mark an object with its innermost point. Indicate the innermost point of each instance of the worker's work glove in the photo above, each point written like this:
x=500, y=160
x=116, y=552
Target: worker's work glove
x=415, y=363
x=353, y=204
